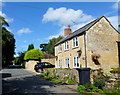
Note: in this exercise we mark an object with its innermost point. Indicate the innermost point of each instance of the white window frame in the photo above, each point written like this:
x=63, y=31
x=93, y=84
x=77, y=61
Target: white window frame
x=60, y=48
x=60, y=63
x=66, y=45
x=75, y=42
x=67, y=61
x=76, y=60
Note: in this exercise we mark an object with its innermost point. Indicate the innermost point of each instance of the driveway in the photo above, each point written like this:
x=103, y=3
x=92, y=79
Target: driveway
x=21, y=81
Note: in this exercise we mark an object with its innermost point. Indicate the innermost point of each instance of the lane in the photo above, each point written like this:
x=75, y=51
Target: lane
x=17, y=73
x=30, y=84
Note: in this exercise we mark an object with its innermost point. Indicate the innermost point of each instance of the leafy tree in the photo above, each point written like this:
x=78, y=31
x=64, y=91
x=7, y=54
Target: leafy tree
x=43, y=46
x=20, y=59
x=51, y=44
x=31, y=46
x=8, y=44
x=34, y=54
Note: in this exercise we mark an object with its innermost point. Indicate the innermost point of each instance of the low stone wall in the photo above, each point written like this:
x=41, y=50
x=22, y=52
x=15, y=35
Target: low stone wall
x=64, y=73
x=50, y=60
x=29, y=65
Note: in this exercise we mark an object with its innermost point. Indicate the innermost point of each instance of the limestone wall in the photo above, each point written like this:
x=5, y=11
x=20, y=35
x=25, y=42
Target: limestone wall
x=101, y=39
x=29, y=65
x=51, y=60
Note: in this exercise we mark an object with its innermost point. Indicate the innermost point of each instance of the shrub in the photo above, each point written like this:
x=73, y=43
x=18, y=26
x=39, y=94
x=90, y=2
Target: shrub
x=89, y=87
x=71, y=82
x=34, y=54
x=99, y=83
x=81, y=89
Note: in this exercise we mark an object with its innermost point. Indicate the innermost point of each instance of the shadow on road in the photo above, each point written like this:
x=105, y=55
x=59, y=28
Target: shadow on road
x=5, y=75
x=32, y=84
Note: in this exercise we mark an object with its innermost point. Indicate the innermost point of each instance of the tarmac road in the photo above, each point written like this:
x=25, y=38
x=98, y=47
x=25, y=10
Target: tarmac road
x=20, y=81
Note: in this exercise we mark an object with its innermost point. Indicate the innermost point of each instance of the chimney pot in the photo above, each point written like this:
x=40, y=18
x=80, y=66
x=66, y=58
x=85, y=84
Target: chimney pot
x=68, y=26
x=67, y=31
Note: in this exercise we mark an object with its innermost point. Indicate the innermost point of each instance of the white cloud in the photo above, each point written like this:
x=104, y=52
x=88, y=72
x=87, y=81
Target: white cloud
x=114, y=21
x=24, y=30
x=9, y=20
x=64, y=16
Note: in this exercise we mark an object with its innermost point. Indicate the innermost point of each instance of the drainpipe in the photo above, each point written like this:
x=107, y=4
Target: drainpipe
x=85, y=49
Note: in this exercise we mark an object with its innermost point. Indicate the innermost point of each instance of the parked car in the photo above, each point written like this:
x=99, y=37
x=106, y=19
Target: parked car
x=40, y=66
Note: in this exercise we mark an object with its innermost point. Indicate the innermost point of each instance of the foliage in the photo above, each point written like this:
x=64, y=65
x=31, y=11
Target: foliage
x=20, y=59
x=49, y=48
x=71, y=82
x=115, y=70
x=99, y=83
x=30, y=46
x=55, y=78
x=8, y=44
x=34, y=54
x=43, y=46
x=112, y=92
x=89, y=88
x=81, y=89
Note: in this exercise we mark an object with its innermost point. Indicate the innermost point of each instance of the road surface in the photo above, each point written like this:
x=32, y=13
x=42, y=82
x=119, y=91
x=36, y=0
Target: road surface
x=20, y=81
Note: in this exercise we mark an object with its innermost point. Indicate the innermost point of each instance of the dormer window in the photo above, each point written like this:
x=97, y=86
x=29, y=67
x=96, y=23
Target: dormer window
x=60, y=48
x=66, y=45
x=75, y=42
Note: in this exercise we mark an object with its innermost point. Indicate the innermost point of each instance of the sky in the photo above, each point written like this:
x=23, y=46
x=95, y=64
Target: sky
x=38, y=22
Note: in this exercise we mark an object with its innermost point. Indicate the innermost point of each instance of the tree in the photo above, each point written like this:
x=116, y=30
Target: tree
x=8, y=44
x=51, y=44
x=43, y=46
x=20, y=59
x=34, y=54
x=30, y=46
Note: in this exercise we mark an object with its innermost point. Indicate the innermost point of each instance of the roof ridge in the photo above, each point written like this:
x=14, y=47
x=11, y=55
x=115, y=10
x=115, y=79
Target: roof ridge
x=80, y=30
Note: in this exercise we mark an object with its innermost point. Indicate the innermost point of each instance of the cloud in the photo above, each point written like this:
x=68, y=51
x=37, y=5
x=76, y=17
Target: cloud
x=9, y=20
x=24, y=31
x=64, y=16
x=114, y=21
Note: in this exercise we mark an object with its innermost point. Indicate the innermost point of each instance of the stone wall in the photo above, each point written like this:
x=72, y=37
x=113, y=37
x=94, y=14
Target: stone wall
x=29, y=65
x=63, y=73
x=50, y=60
x=110, y=79
x=101, y=39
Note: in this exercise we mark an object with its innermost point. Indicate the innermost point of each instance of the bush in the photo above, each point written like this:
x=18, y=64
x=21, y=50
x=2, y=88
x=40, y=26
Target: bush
x=99, y=83
x=81, y=89
x=90, y=87
x=34, y=54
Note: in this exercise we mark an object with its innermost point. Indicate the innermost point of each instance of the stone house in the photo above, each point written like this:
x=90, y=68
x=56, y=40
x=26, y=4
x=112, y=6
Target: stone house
x=93, y=45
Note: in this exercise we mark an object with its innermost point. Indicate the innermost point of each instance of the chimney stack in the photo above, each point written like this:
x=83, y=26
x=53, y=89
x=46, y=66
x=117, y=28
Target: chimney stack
x=67, y=31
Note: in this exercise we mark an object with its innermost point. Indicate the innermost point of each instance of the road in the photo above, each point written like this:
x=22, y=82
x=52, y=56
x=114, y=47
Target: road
x=21, y=81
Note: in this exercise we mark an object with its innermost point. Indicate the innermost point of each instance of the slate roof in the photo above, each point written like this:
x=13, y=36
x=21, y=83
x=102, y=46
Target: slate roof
x=80, y=31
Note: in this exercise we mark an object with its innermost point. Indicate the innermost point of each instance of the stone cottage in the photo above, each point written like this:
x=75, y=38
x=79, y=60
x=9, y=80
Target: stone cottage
x=93, y=45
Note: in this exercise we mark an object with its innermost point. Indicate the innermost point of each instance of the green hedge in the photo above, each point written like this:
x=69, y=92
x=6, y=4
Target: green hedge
x=34, y=54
